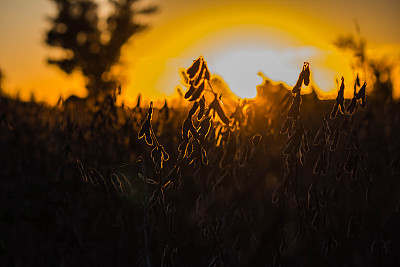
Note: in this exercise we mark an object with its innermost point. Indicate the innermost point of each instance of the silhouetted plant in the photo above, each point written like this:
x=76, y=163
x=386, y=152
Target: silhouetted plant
x=321, y=140
x=360, y=95
x=210, y=202
x=294, y=111
x=339, y=103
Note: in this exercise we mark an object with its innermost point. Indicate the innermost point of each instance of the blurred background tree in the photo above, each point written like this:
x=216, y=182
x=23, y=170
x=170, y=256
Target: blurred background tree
x=1, y=81
x=88, y=46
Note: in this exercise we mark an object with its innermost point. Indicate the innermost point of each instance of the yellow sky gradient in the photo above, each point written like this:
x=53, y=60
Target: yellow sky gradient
x=237, y=38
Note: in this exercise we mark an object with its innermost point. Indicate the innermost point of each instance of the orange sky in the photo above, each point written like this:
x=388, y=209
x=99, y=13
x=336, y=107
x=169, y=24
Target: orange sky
x=237, y=38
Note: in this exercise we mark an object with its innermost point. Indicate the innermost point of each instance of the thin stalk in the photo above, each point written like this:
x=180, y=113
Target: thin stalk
x=110, y=167
x=209, y=83
x=145, y=204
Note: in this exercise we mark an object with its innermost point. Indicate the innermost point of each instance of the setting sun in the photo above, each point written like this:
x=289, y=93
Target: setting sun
x=199, y=133
x=238, y=43
x=238, y=39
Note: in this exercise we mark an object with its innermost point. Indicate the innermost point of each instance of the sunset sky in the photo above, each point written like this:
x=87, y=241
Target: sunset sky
x=237, y=39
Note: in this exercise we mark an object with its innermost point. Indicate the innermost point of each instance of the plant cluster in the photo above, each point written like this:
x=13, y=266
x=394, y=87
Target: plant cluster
x=268, y=184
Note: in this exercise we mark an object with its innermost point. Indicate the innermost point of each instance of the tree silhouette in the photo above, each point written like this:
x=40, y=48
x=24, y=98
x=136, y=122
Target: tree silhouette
x=89, y=47
x=1, y=81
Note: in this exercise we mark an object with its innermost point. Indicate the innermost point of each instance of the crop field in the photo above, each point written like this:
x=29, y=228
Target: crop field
x=284, y=179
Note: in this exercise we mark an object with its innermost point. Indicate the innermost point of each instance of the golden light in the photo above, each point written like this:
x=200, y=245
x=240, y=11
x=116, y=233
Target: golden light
x=237, y=43
x=237, y=38
x=239, y=66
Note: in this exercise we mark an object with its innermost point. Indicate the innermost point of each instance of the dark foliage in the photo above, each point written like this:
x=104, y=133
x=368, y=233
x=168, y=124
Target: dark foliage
x=176, y=186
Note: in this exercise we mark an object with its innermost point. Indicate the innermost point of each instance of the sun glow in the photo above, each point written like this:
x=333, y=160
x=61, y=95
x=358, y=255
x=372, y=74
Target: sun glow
x=239, y=66
x=238, y=39
x=237, y=43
